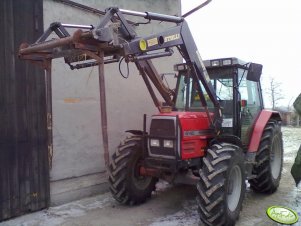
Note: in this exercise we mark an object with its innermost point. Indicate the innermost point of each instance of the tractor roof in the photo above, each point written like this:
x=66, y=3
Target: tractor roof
x=221, y=62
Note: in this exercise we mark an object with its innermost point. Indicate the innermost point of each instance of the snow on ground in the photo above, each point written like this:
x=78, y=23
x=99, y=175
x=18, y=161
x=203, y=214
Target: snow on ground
x=57, y=215
x=291, y=142
x=188, y=216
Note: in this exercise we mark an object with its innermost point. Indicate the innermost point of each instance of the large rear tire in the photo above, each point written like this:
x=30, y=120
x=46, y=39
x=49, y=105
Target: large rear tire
x=221, y=188
x=126, y=184
x=269, y=159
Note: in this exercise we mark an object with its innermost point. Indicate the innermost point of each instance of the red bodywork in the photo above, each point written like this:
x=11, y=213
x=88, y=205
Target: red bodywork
x=195, y=132
x=261, y=122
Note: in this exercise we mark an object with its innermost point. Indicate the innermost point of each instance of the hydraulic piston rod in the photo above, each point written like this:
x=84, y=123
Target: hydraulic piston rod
x=153, y=16
x=78, y=26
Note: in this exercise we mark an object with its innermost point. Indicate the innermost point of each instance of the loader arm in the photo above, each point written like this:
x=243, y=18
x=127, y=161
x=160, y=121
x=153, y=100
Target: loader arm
x=118, y=40
x=141, y=51
x=146, y=48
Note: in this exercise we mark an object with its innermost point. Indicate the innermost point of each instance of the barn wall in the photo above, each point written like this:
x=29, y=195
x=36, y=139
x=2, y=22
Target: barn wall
x=78, y=167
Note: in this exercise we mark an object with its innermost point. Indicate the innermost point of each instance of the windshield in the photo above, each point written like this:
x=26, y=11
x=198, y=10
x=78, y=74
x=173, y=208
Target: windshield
x=188, y=97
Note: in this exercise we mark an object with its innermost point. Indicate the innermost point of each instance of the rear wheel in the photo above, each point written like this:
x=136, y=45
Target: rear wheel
x=269, y=159
x=221, y=188
x=126, y=184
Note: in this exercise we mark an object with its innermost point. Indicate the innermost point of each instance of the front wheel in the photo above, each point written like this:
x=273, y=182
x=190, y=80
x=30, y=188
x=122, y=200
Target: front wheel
x=269, y=159
x=221, y=188
x=126, y=184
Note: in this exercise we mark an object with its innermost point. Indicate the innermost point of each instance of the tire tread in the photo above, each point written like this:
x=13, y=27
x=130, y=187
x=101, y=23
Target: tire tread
x=263, y=183
x=212, y=184
x=119, y=168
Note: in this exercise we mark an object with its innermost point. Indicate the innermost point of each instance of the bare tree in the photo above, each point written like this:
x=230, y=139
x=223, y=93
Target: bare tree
x=275, y=92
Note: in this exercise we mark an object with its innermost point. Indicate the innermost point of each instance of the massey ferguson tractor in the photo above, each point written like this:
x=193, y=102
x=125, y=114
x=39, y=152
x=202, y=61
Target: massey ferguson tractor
x=211, y=129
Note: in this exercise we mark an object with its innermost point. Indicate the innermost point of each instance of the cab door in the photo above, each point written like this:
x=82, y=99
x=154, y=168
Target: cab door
x=251, y=105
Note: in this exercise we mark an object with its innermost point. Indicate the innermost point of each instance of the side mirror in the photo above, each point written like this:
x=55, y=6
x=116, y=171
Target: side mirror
x=254, y=72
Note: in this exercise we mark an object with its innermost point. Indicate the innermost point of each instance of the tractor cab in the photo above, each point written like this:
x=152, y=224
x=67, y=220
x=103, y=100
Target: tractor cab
x=237, y=88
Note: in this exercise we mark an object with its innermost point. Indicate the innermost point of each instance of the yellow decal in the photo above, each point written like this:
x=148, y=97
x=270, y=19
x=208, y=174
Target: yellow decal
x=282, y=215
x=152, y=42
x=142, y=45
x=171, y=37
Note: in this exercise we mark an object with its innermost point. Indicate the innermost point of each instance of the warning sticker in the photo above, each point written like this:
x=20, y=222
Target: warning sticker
x=227, y=122
x=152, y=42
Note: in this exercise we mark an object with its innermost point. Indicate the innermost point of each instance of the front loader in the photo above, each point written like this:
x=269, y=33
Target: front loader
x=211, y=129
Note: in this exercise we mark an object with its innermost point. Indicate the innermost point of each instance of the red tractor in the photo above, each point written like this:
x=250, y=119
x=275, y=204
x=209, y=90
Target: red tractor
x=211, y=130
x=181, y=145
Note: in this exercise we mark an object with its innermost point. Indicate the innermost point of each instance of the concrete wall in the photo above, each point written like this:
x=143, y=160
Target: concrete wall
x=78, y=167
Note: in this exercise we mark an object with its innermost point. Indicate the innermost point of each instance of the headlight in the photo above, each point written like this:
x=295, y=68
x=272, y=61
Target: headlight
x=214, y=63
x=154, y=143
x=227, y=62
x=168, y=143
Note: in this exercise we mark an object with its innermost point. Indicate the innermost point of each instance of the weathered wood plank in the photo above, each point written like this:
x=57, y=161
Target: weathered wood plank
x=24, y=171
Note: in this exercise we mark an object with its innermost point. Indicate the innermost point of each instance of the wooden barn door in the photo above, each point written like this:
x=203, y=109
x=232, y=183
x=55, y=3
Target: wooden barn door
x=24, y=169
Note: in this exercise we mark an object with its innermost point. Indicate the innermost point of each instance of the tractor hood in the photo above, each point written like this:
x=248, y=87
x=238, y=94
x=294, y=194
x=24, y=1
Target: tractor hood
x=191, y=123
x=193, y=131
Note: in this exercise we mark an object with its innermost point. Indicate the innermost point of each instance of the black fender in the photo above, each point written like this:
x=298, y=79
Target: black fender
x=144, y=137
x=136, y=132
x=227, y=138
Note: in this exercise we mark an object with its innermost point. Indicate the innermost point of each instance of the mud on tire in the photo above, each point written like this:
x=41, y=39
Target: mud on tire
x=126, y=185
x=269, y=159
x=221, y=187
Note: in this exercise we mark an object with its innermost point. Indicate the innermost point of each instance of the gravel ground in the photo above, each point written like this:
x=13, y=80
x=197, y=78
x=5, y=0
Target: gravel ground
x=171, y=205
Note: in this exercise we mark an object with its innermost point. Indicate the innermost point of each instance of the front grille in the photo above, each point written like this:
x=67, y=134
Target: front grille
x=161, y=151
x=163, y=129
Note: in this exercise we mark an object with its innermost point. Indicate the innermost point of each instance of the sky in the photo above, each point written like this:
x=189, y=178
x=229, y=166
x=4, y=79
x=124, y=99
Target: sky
x=260, y=31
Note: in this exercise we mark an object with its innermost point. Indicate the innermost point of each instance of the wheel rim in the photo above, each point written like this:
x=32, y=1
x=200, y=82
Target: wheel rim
x=275, y=157
x=234, y=188
x=140, y=182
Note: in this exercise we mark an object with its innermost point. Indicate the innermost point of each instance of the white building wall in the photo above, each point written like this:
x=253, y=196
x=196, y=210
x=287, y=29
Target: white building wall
x=78, y=167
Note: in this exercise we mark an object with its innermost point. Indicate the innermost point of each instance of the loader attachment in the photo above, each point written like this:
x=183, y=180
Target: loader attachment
x=79, y=50
x=113, y=39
